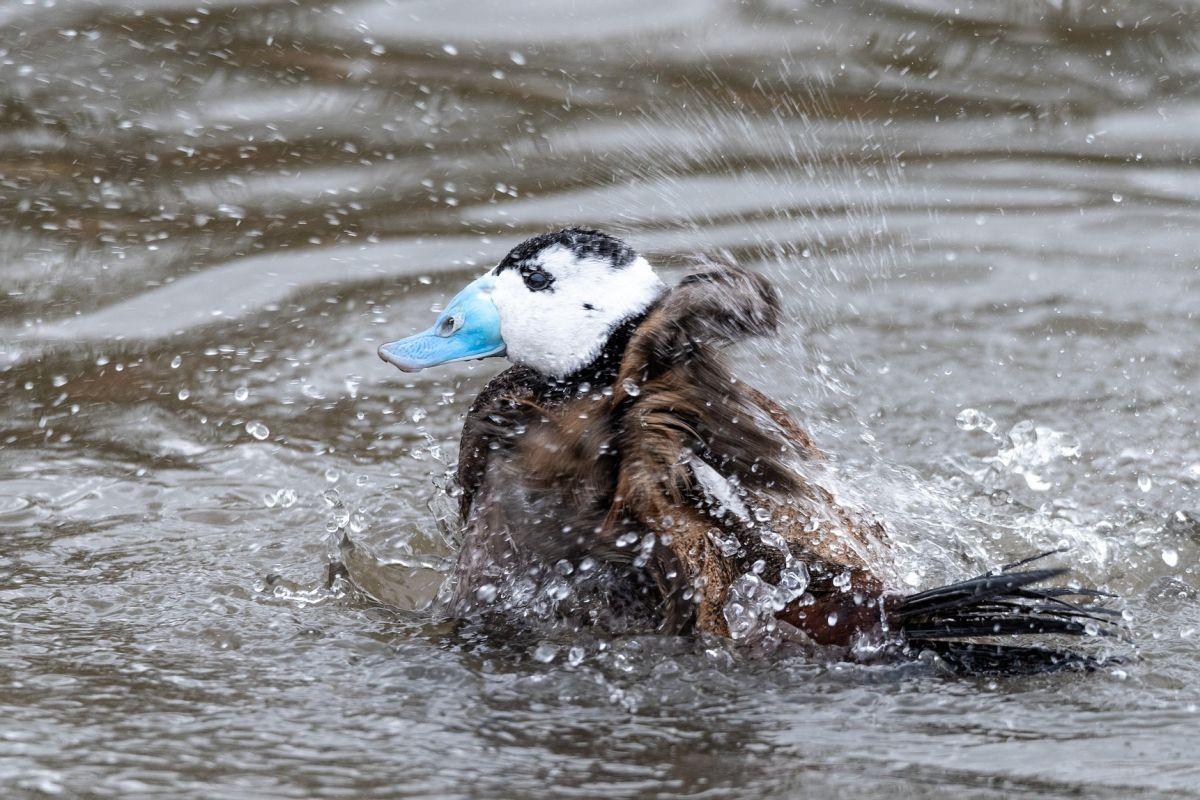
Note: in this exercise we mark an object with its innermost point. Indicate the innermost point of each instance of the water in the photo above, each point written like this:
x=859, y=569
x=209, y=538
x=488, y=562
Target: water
x=213, y=215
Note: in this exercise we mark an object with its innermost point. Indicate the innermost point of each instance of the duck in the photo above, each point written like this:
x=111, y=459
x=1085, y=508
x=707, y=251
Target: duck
x=620, y=474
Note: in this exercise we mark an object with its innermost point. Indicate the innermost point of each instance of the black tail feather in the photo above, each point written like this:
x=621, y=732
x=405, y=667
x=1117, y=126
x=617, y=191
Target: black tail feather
x=1031, y=559
x=1001, y=659
x=1005, y=604
x=973, y=592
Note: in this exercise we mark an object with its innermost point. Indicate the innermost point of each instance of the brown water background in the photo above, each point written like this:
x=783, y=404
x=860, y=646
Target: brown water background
x=984, y=217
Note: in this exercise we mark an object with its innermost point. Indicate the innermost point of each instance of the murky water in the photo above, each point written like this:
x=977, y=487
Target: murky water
x=985, y=216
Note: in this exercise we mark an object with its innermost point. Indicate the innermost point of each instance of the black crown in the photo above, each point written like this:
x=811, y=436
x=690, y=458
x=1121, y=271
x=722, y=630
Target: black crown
x=583, y=242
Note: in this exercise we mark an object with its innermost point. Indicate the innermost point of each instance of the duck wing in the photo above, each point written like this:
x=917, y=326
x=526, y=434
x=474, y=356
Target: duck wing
x=711, y=468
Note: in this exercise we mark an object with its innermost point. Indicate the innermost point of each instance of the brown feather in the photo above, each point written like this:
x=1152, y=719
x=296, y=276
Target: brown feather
x=595, y=466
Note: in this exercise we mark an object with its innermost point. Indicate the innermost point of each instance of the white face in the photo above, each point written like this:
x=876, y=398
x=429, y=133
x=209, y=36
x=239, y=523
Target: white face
x=561, y=328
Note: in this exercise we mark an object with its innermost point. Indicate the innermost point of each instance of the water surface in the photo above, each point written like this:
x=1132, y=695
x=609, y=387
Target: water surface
x=984, y=218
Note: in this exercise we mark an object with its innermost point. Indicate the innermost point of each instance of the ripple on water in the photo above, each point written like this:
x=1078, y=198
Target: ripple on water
x=213, y=217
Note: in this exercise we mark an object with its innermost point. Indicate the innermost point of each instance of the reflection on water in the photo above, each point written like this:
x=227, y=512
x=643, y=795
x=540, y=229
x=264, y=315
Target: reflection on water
x=213, y=213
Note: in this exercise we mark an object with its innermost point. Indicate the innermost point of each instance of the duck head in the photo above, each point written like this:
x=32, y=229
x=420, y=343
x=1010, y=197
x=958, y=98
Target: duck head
x=551, y=304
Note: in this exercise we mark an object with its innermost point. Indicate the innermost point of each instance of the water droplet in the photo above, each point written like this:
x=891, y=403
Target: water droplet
x=1145, y=483
x=257, y=430
x=417, y=414
x=1036, y=482
x=631, y=388
x=338, y=518
x=1170, y=556
x=1117, y=198
x=517, y=58
x=283, y=498
x=793, y=580
x=184, y=394
x=332, y=475
x=545, y=652
x=486, y=593
x=176, y=361
x=727, y=544
x=59, y=380
x=575, y=656
x=626, y=539
x=970, y=419
x=241, y=393
x=773, y=539
x=449, y=49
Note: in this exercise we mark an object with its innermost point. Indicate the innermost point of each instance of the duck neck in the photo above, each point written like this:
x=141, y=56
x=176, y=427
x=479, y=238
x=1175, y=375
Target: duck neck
x=602, y=370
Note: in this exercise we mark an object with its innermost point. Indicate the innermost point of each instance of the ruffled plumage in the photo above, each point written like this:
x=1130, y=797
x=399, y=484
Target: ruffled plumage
x=671, y=478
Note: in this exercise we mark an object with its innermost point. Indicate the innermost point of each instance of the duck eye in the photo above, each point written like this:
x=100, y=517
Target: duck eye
x=449, y=325
x=536, y=280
